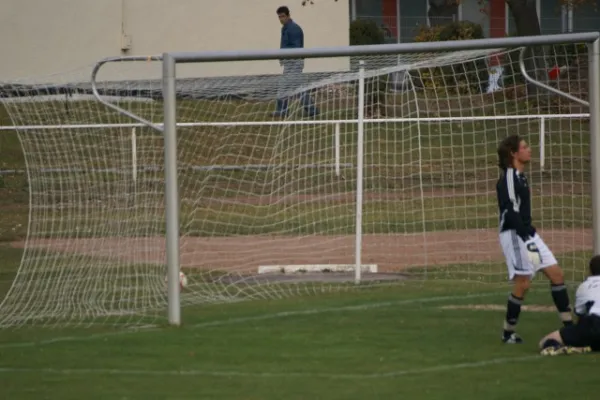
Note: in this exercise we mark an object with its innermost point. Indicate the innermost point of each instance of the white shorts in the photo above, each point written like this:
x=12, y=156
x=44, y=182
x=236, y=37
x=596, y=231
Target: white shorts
x=516, y=256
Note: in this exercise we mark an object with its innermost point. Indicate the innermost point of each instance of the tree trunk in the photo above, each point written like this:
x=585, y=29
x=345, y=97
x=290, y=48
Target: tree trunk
x=442, y=12
x=526, y=19
x=525, y=15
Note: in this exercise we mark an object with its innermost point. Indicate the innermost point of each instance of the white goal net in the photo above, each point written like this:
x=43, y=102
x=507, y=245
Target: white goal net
x=269, y=203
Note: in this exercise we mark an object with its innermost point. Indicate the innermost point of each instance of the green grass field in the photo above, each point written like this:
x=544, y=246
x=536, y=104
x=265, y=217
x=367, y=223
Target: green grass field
x=391, y=342
x=434, y=335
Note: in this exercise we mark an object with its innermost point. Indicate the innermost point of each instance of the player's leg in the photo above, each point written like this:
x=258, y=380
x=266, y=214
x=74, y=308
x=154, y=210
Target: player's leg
x=558, y=289
x=551, y=343
x=306, y=97
x=283, y=86
x=570, y=339
x=520, y=272
x=521, y=285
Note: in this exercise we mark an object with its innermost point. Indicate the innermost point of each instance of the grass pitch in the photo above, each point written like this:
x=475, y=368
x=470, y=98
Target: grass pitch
x=401, y=341
x=432, y=339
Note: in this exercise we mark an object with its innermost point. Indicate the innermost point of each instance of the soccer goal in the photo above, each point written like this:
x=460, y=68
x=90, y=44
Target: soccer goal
x=376, y=165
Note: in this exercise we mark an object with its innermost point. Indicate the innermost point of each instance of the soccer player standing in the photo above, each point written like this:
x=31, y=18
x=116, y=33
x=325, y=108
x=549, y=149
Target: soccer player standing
x=524, y=250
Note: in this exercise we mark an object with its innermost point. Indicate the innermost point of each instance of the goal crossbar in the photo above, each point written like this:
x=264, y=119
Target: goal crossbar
x=395, y=48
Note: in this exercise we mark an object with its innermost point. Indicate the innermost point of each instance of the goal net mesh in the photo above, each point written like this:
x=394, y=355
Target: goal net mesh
x=268, y=202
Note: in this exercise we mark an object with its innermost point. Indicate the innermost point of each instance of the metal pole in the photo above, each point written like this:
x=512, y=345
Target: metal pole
x=133, y=156
x=171, y=189
x=506, y=19
x=336, y=152
x=134, y=168
x=544, y=85
x=542, y=143
x=570, y=18
x=398, y=25
x=594, y=98
x=384, y=49
x=359, y=171
x=115, y=107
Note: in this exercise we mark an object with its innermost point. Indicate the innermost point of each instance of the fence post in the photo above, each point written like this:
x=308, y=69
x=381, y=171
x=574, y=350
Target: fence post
x=337, y=149
x=133, y=156
x=542, y=143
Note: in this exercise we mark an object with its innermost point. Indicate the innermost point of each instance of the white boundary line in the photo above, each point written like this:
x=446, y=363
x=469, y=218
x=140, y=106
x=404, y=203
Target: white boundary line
x=240, y=320
x=268, y=375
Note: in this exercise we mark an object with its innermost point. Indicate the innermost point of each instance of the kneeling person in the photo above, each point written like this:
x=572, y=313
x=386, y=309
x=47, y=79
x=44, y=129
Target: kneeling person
x=585, y=335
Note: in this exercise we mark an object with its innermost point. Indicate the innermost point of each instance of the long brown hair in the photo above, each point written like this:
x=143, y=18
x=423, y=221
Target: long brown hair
x=507, y=147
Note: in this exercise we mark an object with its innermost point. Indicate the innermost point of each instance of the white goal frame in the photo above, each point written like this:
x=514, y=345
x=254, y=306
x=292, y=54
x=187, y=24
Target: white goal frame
x=169, y=126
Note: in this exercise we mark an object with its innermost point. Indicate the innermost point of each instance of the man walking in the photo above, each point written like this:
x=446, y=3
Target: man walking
x=292, y=37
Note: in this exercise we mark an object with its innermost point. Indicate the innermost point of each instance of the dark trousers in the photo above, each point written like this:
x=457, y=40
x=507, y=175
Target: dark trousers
x=291, y=80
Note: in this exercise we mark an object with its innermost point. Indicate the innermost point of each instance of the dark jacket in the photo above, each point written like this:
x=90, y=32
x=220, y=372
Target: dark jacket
x=292, y=37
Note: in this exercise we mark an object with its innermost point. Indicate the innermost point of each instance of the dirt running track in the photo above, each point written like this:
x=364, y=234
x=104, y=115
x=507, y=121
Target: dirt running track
x=244, y=254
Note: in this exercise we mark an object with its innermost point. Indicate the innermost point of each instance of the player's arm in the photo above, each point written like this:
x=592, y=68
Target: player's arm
x=507, y=196
x=581, y=308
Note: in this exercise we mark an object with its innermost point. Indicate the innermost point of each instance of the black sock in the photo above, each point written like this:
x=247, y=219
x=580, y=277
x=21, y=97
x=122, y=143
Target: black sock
x=560, y=295
x=513, y=309
x=551, y=343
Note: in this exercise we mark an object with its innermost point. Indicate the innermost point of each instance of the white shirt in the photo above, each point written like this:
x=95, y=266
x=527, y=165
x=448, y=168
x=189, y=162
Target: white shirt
x=587, y=298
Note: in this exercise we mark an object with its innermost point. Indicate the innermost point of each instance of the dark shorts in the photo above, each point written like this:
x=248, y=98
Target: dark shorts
x=583, y=334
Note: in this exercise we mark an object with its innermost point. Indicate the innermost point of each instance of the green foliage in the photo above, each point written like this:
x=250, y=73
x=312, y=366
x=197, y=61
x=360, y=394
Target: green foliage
x=365, y=32
x=466, y=78
x=453, y=31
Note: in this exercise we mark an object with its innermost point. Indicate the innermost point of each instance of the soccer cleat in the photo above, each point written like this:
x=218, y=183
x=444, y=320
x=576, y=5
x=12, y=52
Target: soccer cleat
x=558, y=350
x=513, y=338
x=577, y=350
x=553, y=351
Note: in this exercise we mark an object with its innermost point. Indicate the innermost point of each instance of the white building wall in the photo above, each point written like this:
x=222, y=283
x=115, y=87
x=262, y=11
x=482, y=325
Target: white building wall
x=65, y=37
x=471, y=11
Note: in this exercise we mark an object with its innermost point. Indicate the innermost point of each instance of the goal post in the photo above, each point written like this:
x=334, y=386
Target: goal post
x=171, y=59
x=171, y=188
x=381, y=169
x=594, y=110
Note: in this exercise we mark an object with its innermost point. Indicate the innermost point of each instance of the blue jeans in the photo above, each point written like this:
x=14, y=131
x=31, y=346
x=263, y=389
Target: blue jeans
x=290, y=80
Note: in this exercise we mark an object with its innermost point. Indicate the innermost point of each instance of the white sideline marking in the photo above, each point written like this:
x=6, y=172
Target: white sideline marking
x=498, y=307
x=241, y=374
x=240, y=320
x=291, y=268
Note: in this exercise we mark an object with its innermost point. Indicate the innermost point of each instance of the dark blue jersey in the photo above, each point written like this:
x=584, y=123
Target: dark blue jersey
x=514, y=203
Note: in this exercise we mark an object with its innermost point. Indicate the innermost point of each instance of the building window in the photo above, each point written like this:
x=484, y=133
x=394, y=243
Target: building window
x=585, y=17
